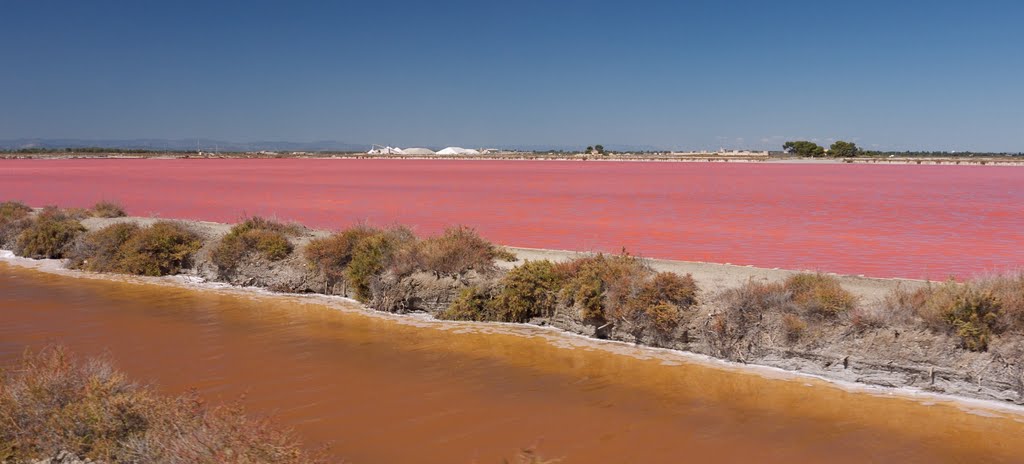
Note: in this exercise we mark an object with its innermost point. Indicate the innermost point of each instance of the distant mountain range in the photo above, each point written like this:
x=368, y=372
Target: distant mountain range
x=221, y=145
x=182, y=145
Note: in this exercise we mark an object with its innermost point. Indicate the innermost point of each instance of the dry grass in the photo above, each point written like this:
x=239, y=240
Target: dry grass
x=49, y=235
x=53, y=402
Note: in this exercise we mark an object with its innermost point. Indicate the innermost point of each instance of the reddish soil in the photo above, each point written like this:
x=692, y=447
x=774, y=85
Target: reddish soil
x=886, y=221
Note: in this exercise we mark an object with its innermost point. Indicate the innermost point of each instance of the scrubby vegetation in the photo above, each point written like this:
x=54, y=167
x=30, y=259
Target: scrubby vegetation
x=783, y=310
x=53, y=402
x=819, y=295
x=617, y=292
x=14, y=218
x=457, y=251
x=254, y=236
x=49, y=235
x=974, y=311
x=108, y=209
x=163, y=248
x=357, y=257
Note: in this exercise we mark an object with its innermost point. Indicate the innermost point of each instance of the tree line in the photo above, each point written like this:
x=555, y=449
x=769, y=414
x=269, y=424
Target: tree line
x=843, y=149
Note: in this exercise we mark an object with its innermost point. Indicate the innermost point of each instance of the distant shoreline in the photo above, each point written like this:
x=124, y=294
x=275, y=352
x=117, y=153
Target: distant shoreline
x=724, y=158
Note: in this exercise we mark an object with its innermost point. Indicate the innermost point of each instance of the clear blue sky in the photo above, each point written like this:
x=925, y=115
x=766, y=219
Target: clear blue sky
x=688, y=74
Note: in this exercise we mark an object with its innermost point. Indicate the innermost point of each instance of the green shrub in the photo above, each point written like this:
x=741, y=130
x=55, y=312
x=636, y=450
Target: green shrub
x=254, y=236
x=101, y=250
x=473, y=304
x=459, y=250
x=163, y=248
x=527, y=291
x=108, y=209
x=819, y=295
x=52, y=402
x=49, y=235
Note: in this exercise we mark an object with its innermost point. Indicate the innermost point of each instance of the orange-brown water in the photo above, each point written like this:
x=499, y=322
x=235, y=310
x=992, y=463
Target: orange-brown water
x=383, y=390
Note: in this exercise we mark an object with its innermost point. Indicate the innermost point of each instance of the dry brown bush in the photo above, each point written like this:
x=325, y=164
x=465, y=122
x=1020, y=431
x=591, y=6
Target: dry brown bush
x=820, y=295
x=974, y=310
x=457, y=251
x=49, y=235
x=331, y=255
x=254, y=236
x=100, y=250
x=14, y=218
x=600, y=286
x=164, y=248
x=52, y=402
x=108, y=209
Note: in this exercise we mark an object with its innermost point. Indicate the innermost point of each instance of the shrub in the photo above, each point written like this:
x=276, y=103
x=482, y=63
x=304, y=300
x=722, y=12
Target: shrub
x=14, y=218
x=49, y=235
x=1009, y=291
x=819, y=294
x=163, y=248
x=373, y=255
x=472, y=304
x=331, y=255
x=601, y=286
x=52, y=402
x=744, y=310
x=14, y=210
x=793, y=327
x=108, y=209
x=527, y=291
x=100, y=250
x=265, y=238
x=459, y=250
x=971, y=312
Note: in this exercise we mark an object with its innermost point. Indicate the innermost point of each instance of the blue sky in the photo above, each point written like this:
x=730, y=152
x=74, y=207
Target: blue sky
x=685, y=74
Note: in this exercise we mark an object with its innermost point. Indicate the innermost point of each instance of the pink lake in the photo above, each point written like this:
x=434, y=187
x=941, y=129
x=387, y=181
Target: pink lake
x=878, y=220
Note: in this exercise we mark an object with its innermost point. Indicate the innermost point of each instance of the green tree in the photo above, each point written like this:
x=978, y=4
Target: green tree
x=599, y=149
x=842, y=149
x=804, y=148
x=589, y=149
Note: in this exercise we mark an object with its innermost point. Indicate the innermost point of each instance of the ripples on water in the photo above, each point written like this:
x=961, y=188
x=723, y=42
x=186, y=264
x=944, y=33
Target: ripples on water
x=884, y=221
x=382, y=391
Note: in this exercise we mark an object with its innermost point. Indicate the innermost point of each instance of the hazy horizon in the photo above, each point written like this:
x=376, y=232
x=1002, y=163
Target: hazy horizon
x=682, y=75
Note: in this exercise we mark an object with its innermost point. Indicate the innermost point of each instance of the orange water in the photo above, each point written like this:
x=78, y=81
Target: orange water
x=383, y=390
